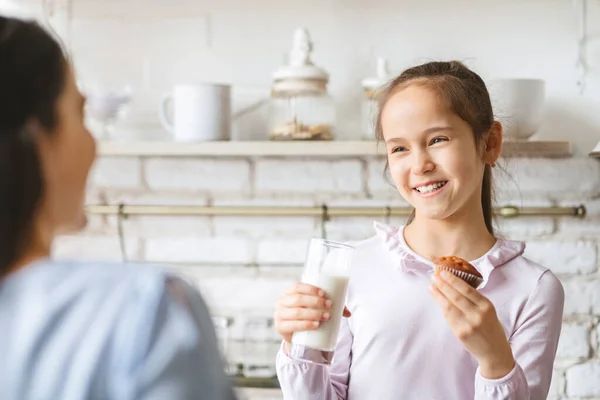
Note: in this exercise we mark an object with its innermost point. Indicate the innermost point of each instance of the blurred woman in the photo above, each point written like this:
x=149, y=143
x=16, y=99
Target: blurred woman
x=74, y=330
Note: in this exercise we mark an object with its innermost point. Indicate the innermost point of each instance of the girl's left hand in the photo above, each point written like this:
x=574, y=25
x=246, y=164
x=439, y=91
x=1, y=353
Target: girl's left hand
x=473, y=320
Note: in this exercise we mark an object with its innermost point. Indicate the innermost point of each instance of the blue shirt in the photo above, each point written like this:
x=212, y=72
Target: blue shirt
x=72, y=330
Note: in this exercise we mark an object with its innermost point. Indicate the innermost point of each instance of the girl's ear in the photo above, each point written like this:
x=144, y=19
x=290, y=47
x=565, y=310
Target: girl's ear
x=493, y=144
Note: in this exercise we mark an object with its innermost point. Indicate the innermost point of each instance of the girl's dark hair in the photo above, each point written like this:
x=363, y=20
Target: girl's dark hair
x=466, y=94
x=32, y=76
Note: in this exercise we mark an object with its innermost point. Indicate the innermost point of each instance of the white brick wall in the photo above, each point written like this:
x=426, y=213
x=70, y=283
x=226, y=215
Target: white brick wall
x=557, y=385
x=281, y=251
x=596, y=341
x=582, y=380
x=194, y=249
x=309, y=176
x=95, y=247
x=561, y=179
x=574, y=342
x=197, y=175
x=116, y=173
x=243, y=43
x=582, y=295
x=564, y=257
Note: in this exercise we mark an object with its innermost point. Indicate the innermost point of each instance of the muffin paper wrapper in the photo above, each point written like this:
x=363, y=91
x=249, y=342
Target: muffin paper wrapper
x=471, y=279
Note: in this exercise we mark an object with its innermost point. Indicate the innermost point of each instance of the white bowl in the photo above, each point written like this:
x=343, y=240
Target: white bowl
x=518, y=104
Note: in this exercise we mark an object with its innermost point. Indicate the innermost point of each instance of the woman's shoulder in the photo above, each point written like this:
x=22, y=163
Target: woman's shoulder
x=112, y=315
x=92, y=273
x=113, y=297
x=93, y=284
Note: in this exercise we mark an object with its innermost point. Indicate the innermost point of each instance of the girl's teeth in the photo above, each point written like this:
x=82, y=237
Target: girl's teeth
x=430, y=188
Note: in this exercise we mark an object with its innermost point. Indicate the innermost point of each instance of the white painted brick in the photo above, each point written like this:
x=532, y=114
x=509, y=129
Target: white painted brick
x=571, y=177
x=358, y=228
x=243, y=293
x=504, y=197
x=582, y=380
x=103, y=248
x=556, y=385
x=260, y=227
x=524, y=227
x=596, y=340
x=263, y=201
x=159, y=225
x=574, y=342
x=308, y=175
x=192, y=174
x=582, y=227
x=564, y=257
x=196, y=273
x=267, y=226
x=282, y=251
x=116, y=172
x=200, y=250
x=216, y=278
x=380, y=185
x=165, y=226
x=267, y=283
x=582, y=296
x=349, y=228
x=348, y=201
x=146, y=198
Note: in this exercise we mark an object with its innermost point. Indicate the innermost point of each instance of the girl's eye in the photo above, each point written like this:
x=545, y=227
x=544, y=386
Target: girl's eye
x=398, y=149
x=439, y=139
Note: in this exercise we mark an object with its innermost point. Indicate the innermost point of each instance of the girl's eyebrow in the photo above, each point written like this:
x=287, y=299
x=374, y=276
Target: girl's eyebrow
x=427, y=131
x=437, y=129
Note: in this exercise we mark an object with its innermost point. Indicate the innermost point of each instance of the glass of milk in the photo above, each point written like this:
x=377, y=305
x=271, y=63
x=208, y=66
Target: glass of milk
x=327, y=267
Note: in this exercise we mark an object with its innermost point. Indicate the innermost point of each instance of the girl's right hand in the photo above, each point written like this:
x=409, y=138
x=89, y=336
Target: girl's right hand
x=301, y=308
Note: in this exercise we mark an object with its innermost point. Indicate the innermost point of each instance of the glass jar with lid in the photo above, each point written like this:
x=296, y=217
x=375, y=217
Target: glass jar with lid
x=300, y=106
x=370, y=105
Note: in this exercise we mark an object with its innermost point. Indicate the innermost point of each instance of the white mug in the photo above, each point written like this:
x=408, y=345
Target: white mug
x=201, y=112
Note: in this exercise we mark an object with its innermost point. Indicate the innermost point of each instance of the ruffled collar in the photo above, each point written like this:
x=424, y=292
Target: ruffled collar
x=404, y=259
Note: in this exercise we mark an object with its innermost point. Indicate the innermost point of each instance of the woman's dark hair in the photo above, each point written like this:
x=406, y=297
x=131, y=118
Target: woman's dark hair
x=32, y=76
x=466, y=94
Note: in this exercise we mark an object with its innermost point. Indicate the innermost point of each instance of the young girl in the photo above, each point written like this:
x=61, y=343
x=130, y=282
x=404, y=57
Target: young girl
x=410, y=334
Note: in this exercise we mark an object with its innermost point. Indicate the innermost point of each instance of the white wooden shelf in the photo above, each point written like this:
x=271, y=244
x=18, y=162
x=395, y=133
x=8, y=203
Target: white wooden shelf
x=554, y=149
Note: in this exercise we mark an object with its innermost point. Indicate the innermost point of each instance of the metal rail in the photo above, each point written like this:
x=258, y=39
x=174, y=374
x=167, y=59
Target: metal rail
x=316, y=211
x=324, y=212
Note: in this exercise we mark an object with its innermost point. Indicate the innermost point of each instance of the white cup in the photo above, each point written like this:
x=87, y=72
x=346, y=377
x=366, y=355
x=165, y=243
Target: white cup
x=201, y=112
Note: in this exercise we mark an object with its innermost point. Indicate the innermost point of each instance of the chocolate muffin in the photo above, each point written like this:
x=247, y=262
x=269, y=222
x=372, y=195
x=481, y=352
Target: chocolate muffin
x=460, y=268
